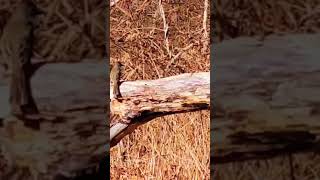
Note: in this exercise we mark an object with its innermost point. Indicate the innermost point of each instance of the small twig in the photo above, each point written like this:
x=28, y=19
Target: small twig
x=204, y=26
x=165, y=28
x=155, y=67
x=205, y=17
x=176, y=56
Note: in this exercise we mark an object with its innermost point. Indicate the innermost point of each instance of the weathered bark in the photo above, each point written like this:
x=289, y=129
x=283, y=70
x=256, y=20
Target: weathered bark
x=266, y=97
x=143, y=101
x=71, y=133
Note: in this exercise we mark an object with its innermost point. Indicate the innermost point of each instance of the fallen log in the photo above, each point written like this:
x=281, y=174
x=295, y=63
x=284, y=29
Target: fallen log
x=69, y=137
x=145, y=100
x=266, y=97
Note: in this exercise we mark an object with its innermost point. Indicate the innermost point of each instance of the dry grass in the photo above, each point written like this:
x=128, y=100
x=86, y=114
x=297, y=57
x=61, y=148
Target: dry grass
x=305, y=167
x=236, y=18
x=155, y=39
x=258, y=18
x=175, y=147
x=67, y=31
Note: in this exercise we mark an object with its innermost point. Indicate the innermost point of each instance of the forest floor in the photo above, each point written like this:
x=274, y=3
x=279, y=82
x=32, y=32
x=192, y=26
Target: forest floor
x=175, y=146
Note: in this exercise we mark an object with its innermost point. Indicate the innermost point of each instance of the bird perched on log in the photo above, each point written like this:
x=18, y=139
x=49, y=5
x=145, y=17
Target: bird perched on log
x=16, y=45
x=115, y=76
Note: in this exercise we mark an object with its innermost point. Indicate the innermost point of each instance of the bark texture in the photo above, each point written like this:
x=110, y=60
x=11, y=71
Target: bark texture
x=266, y=97
x=143, y=101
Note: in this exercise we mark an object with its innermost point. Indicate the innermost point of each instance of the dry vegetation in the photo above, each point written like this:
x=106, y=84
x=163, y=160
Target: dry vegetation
x=67, y=31
x=158, y=40
x=259, y=18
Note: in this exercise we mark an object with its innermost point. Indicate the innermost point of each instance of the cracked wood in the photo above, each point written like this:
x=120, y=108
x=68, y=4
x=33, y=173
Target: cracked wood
x=144, y=100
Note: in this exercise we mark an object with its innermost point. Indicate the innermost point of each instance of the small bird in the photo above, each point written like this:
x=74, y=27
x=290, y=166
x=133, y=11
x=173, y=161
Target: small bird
x=115, y=79
x=16, y=46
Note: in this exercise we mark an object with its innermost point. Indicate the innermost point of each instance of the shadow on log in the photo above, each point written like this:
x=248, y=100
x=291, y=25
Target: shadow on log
x=266, y=97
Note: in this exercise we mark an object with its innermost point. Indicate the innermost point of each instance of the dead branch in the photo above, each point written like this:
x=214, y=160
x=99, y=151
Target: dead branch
x=143, y=101
x=266, y=97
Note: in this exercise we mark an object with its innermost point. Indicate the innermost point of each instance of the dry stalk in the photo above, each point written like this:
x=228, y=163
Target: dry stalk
x=204, y=26
x=176, y=56
x=205, y=17
x=165, y=28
